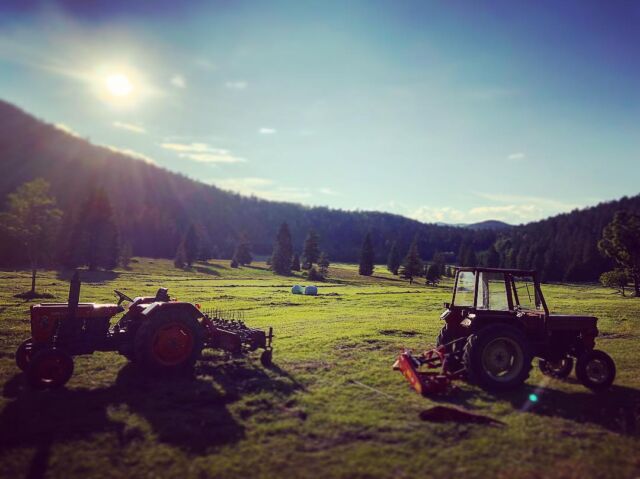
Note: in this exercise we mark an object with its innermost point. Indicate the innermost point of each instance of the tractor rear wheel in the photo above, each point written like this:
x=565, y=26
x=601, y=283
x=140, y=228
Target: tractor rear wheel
x=497, y=358
x=24, y=354
x=50, y=369
x=556, y=369
x=168, y=342
x=596, y=370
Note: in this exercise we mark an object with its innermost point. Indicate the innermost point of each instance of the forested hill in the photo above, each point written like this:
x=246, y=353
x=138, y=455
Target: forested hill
x=154, y=207
x=564, y=247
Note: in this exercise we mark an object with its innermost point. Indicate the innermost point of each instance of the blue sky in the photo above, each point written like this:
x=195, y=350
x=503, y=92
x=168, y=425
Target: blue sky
x=441, y=111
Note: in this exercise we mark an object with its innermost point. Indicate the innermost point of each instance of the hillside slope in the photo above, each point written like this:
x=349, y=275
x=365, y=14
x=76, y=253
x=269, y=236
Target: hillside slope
x=155, y=206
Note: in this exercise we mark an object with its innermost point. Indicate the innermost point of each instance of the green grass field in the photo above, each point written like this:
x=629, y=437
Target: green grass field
x=305, y=417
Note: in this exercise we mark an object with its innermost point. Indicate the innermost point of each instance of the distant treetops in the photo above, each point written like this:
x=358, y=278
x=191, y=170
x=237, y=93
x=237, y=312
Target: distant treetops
x=284, y=260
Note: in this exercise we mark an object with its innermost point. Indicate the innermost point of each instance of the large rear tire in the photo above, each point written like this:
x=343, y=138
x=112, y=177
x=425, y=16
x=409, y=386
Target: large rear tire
x=497, y=358
x=168, y=342
x=50, y=369
x=596, y=370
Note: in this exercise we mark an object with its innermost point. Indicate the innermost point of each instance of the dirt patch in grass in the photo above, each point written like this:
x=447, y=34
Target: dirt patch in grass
x=33, y=295
x=398, y=332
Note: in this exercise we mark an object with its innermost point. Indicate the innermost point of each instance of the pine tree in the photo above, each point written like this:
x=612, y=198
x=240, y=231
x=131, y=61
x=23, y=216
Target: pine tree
x=412, y=264
x=282, y=251
x=180, y=259
x=95, y=236
x=367, y=257
x=242, y=254
x=492, y=258
x=295, y=262
x=439, y=261
x=394, y=259
x=311, y=250
x=191, y=245
x=126, y=252
x=432, y=274
x=323, y=264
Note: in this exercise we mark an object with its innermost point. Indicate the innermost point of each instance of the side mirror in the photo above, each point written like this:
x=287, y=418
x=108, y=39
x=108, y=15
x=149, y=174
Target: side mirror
x=446, y=305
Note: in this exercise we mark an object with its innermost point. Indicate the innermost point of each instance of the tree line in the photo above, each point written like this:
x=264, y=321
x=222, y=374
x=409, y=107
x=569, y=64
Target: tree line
x=154, y=209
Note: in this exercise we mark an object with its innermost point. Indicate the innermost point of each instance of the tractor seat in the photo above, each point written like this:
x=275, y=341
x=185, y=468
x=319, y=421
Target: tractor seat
x=566, y=322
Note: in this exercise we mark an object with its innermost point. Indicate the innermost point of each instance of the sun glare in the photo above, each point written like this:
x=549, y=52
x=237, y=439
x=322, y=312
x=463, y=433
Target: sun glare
x=118, y=84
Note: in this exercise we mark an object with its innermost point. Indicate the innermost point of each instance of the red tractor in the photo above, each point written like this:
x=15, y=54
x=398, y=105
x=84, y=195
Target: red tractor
x=496, y=323
x=157, y=333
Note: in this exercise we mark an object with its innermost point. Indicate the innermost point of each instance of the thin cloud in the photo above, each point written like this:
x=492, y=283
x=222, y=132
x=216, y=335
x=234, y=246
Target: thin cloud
x=178, y=81
x=202, y=153
x=516, y=156
x=204, y=64
x=267, y=131
x=67, y=129
x=129, y=127
x=328, y=191
x=236, y=85
x=131, y=153
x=263, y=188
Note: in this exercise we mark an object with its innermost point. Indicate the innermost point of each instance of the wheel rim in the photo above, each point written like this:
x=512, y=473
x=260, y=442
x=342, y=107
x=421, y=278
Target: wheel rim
x=597, y=371
x=502, y=359
x=172, y=344
x=558, y=366
x=51, y=369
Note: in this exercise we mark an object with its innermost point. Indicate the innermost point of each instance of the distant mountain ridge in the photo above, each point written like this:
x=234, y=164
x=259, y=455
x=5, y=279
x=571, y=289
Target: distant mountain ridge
x=489, y=225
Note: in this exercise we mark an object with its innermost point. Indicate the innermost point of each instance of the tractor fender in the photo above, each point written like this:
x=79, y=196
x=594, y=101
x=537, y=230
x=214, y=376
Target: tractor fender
x=172, y=307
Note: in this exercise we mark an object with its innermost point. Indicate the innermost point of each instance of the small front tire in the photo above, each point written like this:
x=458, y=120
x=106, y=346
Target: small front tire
x=50, y=369
x=24, y=354
x=266, y=358
x=596, y=370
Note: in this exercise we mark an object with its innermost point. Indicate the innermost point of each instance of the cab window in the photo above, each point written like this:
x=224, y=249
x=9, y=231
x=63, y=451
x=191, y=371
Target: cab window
x=465, y=288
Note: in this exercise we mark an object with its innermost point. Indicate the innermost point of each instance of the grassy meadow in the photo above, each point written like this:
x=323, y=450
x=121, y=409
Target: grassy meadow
x=311, y=414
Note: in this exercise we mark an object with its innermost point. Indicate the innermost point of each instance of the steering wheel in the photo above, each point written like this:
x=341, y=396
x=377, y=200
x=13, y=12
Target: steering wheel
x=122, y=297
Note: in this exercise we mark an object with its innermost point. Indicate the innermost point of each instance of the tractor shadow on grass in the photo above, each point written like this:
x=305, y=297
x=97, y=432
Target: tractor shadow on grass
x=189, y=412
x=617, y=409
x=186, y=412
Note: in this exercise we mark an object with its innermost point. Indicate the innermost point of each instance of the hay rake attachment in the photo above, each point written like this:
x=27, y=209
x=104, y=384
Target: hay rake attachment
x=227, y=330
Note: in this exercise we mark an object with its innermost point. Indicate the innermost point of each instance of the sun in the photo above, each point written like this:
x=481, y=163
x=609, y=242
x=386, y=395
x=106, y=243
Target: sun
x=118, y=84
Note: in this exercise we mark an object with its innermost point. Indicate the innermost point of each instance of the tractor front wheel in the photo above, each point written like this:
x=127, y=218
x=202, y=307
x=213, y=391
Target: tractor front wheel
x=50, y=369
x=556, y=369
x=168, y=342
x=266, y=358
x=24, y=353
x=497, y=358
x=596, y=370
